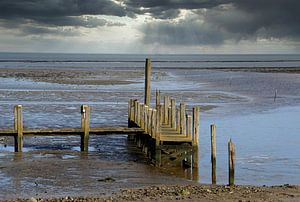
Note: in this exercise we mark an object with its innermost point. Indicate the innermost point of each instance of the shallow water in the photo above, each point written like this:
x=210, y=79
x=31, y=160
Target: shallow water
x=267, y=147
x=265, y=131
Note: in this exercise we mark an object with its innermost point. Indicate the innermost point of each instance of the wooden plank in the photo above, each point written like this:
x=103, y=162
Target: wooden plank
x=72, y=131
x=231, y=162
x=8, y=132
x=147, y=82
x=174, y=139
x=213, y=154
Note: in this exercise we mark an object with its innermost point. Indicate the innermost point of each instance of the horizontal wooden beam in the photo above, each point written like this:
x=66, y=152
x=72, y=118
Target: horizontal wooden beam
x=72, y=131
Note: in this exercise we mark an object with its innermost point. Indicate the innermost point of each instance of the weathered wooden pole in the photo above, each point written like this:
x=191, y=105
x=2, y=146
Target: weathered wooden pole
x=146, y=109
x=142, y=111
x=166, y=109
x=213, y=154
x=147, y=82
x=178, y=121
x=189, y=126
x=173, y=113
x=85, y=125
x=169, y=116
x=138, y=115
x=136, y=103
x=182, y=119
x=154, y=123
x=231, y=162
x=162, y=113
x=129, y=113
x=157, y=97
x=18, y=126
x=196, y=133
x=150, y=121
x=158, y=122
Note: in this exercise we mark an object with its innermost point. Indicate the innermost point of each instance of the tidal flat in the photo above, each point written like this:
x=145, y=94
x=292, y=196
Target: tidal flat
x=242, y=104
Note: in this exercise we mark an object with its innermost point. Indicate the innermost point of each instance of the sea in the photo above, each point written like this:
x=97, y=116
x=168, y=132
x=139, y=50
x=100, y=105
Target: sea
x=137, y=60
x=266, y=131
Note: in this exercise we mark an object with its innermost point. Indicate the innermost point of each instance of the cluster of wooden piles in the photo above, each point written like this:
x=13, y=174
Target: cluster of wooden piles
x=169, y=129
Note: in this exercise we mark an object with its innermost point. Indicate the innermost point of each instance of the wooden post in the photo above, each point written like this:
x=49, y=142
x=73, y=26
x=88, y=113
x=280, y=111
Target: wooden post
x=16, y=118
x=150, y=121
x=162, y=115
x=213, y=154
x=231, y=162
x=189, y=126
x=169, y=116
x=85, y=125
x=178, y=121
x=142, y=111
x=135, y=111
x=196, y=133
x=173, y=113
x=182, y=119
x=166, y=109
x=157, y=98
x=154, y=123
x=147, y=82
x=19, y=128
x=138, y=114
x=146, y=118
x=158, y=122
x=132, y=112
x=129, y=113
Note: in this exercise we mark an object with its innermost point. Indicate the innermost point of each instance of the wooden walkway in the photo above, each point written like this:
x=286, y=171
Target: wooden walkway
x=151, y=128
x=166, y=122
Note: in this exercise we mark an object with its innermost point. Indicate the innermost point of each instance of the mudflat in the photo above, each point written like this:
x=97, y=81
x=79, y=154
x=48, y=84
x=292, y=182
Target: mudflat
x=58, y=173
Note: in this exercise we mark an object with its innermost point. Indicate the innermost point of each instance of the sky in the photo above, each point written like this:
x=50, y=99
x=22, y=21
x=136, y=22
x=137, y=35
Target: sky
x=150, y=26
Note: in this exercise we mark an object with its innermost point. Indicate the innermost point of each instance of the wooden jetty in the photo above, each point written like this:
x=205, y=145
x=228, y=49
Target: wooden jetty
x=166, y=130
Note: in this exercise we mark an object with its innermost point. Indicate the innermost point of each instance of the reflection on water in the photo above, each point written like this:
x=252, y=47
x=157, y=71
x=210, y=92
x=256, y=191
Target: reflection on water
x=267, y=147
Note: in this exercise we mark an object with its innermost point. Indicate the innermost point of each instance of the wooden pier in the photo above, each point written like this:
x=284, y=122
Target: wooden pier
x=165, y=129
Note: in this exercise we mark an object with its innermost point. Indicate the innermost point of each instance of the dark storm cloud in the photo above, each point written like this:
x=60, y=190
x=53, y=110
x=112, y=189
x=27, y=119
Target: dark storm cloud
x=233, y=20
x=39, y=15
x=36, y=9
x=165, y=9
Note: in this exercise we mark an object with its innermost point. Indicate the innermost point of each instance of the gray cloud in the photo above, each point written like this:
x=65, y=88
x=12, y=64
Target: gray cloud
x=35, y=9
x=41, y=16
x=212, y=22
x=226, y=20
x=168, y=9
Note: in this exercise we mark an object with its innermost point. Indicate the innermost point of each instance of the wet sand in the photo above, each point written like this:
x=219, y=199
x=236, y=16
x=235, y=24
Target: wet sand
x=56, y=171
